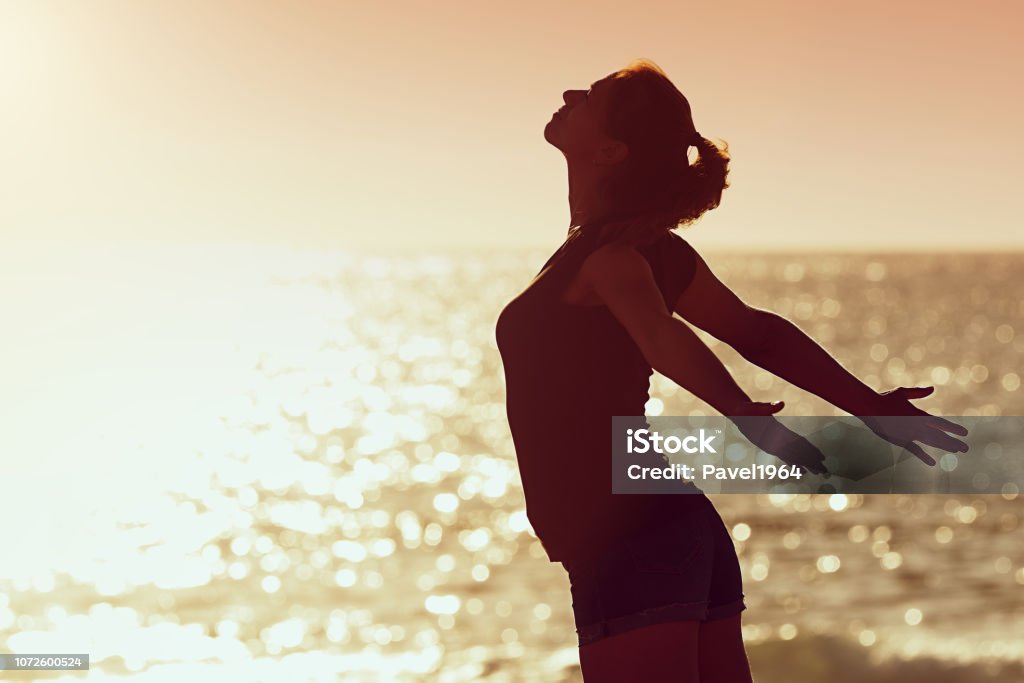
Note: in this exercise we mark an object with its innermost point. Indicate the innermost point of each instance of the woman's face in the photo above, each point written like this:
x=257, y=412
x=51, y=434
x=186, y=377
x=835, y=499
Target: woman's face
x=578, y=128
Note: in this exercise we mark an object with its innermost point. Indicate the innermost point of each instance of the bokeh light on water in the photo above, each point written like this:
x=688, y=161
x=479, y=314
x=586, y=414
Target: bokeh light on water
x=266, y=464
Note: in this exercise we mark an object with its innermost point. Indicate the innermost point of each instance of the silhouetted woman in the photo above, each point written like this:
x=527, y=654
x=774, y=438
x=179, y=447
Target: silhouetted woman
x=655, y=581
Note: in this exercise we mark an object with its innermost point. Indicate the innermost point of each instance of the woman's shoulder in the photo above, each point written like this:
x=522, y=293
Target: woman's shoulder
x=673, y=262
x=669, y=246
x=673, y=237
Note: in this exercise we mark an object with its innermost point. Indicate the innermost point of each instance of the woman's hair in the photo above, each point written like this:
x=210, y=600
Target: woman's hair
x=656, y=188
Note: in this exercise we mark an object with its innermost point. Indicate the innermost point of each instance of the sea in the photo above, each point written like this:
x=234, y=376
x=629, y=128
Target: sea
x=266, y=463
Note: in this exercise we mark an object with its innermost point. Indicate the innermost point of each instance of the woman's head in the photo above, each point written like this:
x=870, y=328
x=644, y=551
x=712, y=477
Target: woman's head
x=629, y=134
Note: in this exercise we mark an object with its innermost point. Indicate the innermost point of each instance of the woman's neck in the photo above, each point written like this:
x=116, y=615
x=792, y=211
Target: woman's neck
x=587, y=204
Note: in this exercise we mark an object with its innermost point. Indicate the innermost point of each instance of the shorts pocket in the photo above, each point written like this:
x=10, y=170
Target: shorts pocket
x=669, y=549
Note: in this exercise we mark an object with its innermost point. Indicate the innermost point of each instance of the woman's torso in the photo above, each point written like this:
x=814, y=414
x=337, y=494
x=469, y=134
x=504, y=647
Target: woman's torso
x=569, y=368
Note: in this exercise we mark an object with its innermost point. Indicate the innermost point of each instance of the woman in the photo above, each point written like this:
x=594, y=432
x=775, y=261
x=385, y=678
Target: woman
x=655, y=581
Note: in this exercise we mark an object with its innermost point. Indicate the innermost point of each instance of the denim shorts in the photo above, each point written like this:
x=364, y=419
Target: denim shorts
x=678, y=569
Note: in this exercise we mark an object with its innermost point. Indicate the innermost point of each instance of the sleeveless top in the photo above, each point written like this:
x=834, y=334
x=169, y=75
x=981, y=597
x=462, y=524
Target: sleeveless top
x=568, y=369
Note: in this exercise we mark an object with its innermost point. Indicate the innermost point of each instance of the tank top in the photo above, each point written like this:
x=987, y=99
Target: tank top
x=568, y=369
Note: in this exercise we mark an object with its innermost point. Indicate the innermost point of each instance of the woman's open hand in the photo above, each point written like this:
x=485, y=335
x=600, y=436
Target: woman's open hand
x=757, y=422
x=889, y=420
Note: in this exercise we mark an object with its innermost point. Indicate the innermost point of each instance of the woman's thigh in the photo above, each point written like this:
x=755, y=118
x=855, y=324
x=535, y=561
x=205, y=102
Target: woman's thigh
x=663, y=652
x=720, y=651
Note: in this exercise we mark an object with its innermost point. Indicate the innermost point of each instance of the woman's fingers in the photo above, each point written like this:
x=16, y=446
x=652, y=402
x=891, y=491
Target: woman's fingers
x=815, y=461
x=919, y=453
x=759, y=408
x=940, y=439
x=798, y=451
x=913, y=392
x=947, y=426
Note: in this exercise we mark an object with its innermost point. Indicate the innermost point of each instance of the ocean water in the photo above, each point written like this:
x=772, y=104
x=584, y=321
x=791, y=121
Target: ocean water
x=262, y=464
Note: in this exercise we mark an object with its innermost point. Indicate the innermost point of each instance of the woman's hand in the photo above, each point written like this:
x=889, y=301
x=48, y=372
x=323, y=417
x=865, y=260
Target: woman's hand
x=755, y=420
x=889, y=420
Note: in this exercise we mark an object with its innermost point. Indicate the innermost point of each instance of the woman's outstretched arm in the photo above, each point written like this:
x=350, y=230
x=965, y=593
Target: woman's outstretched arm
x=623, y=280
x=779, y=346
x=772, y=342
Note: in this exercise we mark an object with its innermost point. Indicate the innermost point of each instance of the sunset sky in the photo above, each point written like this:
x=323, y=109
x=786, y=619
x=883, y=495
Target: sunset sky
x=870, y=125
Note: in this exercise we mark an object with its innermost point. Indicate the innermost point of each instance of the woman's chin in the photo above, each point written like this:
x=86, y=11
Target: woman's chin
x=551, y=131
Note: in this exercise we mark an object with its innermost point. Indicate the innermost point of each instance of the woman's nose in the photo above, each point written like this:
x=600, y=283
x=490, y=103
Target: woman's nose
x=570, y=96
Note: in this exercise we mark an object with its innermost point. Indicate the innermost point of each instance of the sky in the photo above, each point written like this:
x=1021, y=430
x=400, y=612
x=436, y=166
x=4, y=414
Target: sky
x=867, y=126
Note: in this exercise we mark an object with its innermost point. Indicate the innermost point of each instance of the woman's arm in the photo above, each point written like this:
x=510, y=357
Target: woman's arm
x=772, y=342
x=779, y=346
x=623, y=280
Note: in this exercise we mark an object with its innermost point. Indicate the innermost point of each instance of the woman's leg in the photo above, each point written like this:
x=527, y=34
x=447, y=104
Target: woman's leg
x=721, y=654
x=651, y=654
